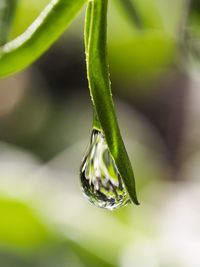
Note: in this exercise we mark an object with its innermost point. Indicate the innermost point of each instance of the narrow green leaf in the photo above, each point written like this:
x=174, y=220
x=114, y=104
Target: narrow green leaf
x=45, y=30
x=87, y=26
x=100, y=90
x=131, y=12
x=7, y=10
x=88, y=19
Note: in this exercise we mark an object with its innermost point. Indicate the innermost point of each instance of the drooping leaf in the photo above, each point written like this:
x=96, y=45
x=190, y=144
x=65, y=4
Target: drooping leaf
x=44, y=31
x=100, y=90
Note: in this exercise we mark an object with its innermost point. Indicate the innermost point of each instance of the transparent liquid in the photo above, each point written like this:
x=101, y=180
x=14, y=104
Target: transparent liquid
x=100, y=180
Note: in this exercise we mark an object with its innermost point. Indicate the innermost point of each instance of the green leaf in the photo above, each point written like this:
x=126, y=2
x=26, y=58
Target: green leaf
x=100, y=90
x=7, y=10
x=45, y=30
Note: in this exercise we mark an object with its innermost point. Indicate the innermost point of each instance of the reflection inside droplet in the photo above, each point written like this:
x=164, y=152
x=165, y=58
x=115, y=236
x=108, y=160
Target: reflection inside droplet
x=100, y=180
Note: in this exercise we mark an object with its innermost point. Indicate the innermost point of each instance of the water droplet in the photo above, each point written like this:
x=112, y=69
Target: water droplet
x=100, y=180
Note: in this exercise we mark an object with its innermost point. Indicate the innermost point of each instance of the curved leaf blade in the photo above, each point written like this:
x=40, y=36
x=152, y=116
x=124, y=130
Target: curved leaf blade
x=45, y=30
x=100, y=90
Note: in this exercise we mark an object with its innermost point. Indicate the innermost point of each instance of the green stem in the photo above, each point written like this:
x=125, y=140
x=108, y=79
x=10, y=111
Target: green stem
x=45, y=30
x=100, y=90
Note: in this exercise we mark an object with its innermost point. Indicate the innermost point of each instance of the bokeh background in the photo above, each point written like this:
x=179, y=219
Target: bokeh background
x=45, y=126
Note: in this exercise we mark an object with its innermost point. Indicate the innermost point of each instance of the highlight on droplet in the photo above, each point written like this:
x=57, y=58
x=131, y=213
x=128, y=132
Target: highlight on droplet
x=100, y=180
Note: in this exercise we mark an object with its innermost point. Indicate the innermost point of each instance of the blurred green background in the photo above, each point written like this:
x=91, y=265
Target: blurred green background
x=45, y=125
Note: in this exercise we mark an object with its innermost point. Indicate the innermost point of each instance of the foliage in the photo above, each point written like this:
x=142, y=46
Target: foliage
x=18, y=54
